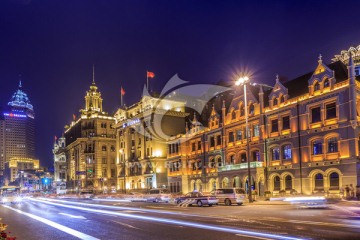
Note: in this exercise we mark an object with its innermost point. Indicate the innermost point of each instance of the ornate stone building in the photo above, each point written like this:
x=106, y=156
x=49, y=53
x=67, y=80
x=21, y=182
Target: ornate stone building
x=303, y=136
x=90, y=146
x=142, y=131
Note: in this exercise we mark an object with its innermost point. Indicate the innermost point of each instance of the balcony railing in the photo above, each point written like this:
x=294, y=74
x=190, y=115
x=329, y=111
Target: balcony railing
x=240, y=166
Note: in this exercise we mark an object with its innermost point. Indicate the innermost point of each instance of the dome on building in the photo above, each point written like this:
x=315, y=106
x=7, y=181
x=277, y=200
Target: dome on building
x=20, y=99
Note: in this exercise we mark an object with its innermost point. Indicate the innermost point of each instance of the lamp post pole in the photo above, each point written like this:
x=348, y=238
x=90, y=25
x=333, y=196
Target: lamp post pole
x=243, y=81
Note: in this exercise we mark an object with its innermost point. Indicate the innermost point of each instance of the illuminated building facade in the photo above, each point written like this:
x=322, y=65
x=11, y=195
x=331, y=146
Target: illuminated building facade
x=142, y=131
x=90, y=147
x=303, y=136
x=60, y=168
x=17, y=141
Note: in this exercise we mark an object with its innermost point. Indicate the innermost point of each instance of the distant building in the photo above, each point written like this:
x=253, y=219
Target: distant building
x=90, y=147
x=17, y=140
x=60, y=166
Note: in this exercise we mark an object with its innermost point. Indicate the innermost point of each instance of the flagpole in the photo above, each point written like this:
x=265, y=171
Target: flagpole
x=121, y=97
x=147, y=81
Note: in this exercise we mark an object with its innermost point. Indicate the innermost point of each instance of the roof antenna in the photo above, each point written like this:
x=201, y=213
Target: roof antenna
x=20, y=85
x=93, y=81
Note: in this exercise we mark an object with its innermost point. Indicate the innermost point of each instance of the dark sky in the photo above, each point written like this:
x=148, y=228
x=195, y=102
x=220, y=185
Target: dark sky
x=53, y=44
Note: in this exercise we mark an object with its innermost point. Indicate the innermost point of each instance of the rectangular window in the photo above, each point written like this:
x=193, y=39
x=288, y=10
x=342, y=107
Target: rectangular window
x=199, y=145
x=315, y=115
x=317, y=147
x=238, y=135
x=274, y=125
x=112, y=172
x=218, y=140
x=332, y=145
x=231, y=136
x=331, y=110
x=275, y=153
x=243, y=157
x=103, y=160
x=256, y=156
x=285, y=123
x=256, y=131
x=132, y=143
x=212, y=141
x=193, y=147
x=287, y=154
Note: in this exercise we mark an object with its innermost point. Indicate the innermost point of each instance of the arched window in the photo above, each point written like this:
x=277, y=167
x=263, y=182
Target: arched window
x=286, y=151
x=242, y=110
x=275, y=102
x=232, y=159
x=276, y=183
x=282, y=99
x=332, y=145
x=334, y=180
x=319, y=181
x=243, y=157
x=251, y=109
x=256, y=156
x=212, y=163
x=139, y=183
x=288, y=182
x=103, y=148
x=219, y=162
x=316, y=86
x=326, y=83
x=233, y=115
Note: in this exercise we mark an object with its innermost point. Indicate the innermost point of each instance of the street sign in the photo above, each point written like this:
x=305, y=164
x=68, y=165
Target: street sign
x=80, y=172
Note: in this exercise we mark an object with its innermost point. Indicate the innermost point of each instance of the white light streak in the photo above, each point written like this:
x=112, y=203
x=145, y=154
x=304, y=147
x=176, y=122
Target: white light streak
x=178, y=222
x=56, y=225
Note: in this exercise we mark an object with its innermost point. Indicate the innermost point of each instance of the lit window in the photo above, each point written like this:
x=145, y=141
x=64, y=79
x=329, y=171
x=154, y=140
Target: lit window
x=256, y=131
x=332, y=145
x=326, y=83
x=275, y=152
x=238, y=135
x=317, y=147
x=256, y=156
x=287, y=154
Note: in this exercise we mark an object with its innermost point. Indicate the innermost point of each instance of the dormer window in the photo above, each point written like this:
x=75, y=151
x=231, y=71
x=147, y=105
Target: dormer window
x=242, y=110
x=275, y=102
x=233, y=115
x=251, y=109
x=326, y=83
x=316, y=86
x=282, y=99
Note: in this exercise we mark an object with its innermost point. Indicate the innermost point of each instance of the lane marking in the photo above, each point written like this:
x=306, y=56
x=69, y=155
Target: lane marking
x=177, y=222
x=312, y=223
x=242, y=235
x=55, y=225
x=72, y=216
x=126, y=225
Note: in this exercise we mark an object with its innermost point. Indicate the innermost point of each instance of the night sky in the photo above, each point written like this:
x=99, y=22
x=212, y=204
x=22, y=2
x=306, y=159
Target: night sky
x=53, y=45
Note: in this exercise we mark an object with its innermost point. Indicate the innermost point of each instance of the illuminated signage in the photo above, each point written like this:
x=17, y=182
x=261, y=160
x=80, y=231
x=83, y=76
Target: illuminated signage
x=131, y=122
x=15, y=115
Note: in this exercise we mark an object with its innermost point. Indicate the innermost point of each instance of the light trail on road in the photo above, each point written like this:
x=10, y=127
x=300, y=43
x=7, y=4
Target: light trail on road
x=55, y=225
x=176, y=222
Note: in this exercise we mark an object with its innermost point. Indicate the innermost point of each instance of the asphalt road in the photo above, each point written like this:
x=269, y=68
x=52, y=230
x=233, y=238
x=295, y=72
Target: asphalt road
x=92, y=219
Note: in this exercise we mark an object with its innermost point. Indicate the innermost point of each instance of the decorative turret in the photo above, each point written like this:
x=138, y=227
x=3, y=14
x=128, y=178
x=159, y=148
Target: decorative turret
x=93, y=100
x=20, y=100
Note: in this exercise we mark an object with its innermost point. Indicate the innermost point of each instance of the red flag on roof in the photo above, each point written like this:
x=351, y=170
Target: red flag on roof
x=122, y=91
x=74, y=117
x=55, y=138
x=150, y=74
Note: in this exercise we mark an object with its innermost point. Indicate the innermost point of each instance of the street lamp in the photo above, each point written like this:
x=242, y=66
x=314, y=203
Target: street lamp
x=239, y=82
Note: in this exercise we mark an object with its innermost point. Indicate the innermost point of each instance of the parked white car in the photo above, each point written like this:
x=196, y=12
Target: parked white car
x=158, y=195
